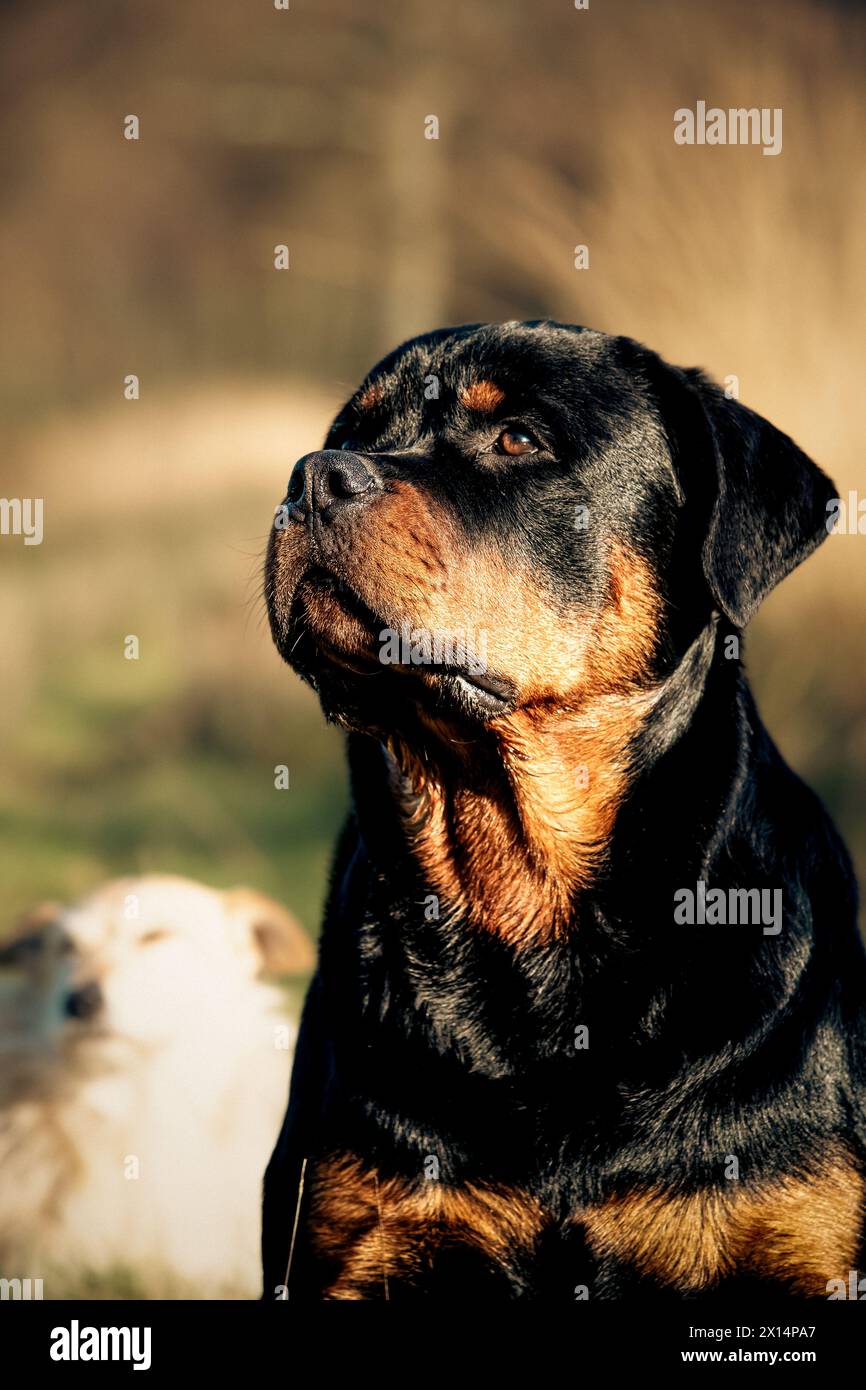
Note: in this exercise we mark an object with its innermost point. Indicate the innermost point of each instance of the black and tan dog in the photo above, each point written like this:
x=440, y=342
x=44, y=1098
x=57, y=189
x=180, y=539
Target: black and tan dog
x=517, y=574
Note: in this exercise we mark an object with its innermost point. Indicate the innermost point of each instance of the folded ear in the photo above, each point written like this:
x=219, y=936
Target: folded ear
x=281, y=944
x=770, y=509
x=28, y=937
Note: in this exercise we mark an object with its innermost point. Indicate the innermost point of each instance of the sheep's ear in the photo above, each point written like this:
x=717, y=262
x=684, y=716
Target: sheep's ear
x=771, y=504
x=282, y=945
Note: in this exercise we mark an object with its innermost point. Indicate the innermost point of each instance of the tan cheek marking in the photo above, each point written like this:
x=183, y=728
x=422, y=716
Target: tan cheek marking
x=420, y=565
x=417, y=565
x=483, y=396
x=799, y=1231
x=373, y=1229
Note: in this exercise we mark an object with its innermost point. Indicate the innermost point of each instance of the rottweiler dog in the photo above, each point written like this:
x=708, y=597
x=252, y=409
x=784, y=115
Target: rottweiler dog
x=589, y=1018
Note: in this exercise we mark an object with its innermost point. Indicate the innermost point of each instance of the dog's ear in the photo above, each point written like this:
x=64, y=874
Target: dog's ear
x=25, y=941
x=770, y=504
x=282, y=945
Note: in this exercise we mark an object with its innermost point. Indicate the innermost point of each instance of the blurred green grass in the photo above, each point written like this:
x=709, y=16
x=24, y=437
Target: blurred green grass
x=165, y=763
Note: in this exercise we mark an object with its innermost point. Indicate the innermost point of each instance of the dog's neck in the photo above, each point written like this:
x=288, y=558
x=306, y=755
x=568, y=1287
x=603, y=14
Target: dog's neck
x=521, y=823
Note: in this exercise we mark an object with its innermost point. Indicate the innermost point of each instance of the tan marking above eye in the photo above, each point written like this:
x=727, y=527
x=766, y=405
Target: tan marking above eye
x=370, y=396
x=483, y=396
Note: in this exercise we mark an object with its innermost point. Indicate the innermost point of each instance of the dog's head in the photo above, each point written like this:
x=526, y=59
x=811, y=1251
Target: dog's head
x=143, y=958
x=520, y=516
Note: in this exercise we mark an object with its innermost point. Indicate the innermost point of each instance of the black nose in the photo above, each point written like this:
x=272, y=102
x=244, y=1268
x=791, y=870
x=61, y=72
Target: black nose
x=84, y=1002
x=328, y=479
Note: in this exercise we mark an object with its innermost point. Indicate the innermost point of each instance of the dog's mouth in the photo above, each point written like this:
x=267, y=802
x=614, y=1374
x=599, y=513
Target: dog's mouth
x=331, y=623
x=338, y=643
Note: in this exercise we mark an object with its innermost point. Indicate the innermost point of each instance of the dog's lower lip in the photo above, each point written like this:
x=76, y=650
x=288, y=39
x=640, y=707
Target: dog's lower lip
x=346, y=595
x=352, y=662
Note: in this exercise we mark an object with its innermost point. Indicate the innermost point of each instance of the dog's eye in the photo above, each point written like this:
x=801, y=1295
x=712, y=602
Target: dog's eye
x=150, y=938
x=514, y=442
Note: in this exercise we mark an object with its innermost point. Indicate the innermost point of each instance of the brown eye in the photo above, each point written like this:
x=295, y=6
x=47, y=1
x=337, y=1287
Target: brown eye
x=515, y=442
x=150, y=938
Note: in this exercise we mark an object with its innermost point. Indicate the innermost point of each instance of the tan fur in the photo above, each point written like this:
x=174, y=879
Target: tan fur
x=678, y=1240
x=804, y=1232
x=370, y=396
x=483, y=396
x=376, y=1230
x=800, y=1231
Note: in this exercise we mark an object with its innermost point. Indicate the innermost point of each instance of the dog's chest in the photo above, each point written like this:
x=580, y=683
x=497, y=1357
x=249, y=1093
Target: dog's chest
x=375, y=1237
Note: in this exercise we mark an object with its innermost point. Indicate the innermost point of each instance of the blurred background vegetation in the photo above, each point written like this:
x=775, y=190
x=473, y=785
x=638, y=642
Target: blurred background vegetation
x=155, y=257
